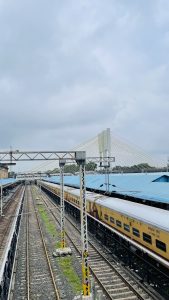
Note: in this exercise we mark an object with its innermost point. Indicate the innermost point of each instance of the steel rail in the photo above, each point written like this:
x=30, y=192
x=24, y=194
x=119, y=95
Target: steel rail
x=46, y=252
x=12, y=280
x=6, y=207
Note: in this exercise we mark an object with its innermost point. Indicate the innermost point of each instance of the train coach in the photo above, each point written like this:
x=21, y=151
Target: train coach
x=147, y=228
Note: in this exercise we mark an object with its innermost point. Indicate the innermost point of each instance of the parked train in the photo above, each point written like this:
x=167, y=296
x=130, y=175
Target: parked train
x=145, y=227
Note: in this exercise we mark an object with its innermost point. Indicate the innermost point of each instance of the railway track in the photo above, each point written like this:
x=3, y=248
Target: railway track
x=38, y=282
x=6, y=199
x=113, y=280
x=6, y=221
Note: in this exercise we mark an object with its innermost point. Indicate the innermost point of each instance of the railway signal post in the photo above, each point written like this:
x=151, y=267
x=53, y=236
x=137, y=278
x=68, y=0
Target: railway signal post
x=81, y=161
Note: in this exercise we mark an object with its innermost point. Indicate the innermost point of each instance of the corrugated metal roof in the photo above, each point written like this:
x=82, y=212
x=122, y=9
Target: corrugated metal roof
x=136, y=185
x=8, y=181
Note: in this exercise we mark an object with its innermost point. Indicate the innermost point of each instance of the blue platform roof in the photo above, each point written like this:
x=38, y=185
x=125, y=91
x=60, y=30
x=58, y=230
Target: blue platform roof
x=7, y=181
x=150, y=186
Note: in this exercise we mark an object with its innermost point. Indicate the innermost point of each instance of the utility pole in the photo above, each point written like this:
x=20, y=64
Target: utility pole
x=40, y=184
x=62, y=251
x=62, y=202
x=81, y=161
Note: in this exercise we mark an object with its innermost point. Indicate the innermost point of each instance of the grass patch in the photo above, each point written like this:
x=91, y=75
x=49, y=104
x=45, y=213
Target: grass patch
x=51, y=228
x=58, y=244
x=66, y=265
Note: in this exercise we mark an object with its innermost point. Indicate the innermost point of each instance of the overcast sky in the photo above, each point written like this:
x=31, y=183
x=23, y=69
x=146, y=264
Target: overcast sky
x=69, y=69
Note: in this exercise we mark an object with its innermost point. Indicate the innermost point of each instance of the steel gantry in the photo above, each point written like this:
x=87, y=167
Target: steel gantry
x=16, y=155
x=63, y=156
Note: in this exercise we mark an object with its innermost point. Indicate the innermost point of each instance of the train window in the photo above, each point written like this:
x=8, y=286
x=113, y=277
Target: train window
x=118, y=223
x=136, y=232
x=111, y=219
x=160, y=245
x=127, y=227
x=147, y=238
x=106, y=217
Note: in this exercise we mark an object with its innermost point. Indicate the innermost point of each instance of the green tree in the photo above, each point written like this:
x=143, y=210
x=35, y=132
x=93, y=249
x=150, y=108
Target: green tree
x=91, y=166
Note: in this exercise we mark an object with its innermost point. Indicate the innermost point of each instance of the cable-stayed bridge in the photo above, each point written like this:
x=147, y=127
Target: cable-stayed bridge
x=124, y=152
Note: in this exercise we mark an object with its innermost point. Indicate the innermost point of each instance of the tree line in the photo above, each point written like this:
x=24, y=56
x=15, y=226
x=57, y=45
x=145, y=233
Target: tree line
x=74, y=168
x=92, y=166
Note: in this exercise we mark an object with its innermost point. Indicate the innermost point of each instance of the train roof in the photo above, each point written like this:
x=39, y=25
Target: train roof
x=150, y=186
x=147, y=214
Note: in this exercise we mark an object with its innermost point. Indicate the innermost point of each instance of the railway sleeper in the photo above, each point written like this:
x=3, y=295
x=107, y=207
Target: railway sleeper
x=121, y=293
x=128, y=298
x=117, y=285
x=119, y=289
x=115, y=281
x=111, y=278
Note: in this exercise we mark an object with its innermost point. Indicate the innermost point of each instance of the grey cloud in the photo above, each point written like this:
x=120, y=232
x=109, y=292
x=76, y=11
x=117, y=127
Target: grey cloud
x=72, y=68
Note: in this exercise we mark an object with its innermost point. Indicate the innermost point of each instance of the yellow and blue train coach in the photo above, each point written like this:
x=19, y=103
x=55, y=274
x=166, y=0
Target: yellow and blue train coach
x=147, y=228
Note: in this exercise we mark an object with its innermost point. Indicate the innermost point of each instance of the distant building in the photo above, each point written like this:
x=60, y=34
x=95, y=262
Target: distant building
x=3, y=171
